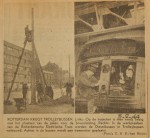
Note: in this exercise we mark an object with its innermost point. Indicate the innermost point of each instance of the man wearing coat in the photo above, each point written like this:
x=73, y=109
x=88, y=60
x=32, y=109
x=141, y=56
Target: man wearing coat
x=24, y=92
x=87, y=86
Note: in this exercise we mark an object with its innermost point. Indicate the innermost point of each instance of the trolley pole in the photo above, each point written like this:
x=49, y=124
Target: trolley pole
x=33, y=69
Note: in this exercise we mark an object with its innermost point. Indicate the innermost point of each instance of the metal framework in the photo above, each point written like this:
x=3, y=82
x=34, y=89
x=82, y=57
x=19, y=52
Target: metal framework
x=102, y=9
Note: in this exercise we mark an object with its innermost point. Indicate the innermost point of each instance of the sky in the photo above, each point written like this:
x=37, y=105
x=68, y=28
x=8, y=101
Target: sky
x=53, y=29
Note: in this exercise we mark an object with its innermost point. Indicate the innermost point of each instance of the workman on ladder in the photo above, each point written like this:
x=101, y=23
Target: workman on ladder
x=28, y=34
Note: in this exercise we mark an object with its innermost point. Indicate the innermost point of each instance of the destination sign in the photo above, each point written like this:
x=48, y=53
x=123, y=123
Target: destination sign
x=113, y=48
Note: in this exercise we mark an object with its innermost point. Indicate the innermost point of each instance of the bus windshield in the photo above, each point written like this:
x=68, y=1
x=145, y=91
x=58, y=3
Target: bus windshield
x=122, y=78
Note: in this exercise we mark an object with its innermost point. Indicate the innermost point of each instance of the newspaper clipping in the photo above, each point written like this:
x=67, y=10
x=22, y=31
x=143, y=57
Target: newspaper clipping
x=74, y=69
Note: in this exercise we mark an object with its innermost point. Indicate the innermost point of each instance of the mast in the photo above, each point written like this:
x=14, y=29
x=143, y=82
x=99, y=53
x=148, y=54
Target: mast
x=33, y=69
x=69, y=68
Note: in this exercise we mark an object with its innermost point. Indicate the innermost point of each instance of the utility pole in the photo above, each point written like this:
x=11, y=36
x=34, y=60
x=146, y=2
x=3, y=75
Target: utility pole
x=33, y=69
x=61, y=80
x=69, y=68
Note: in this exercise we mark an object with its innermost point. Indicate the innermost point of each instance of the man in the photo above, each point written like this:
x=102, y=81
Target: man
x=87, y=86
x=28, y=34
x=49, y=91
x=40, y=92
x=24, y=92
x=103, y=96
x=129, y=80
x=68, y=87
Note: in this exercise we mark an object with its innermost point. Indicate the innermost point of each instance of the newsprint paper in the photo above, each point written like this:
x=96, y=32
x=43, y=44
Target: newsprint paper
x=74, y=69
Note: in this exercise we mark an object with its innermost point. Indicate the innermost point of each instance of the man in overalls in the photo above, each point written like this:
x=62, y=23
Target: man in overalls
x=24, y=92
x=87, y=86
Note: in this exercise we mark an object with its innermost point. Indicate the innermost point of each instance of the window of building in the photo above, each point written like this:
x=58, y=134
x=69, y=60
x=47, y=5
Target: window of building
x=5, y=66
x=5, y=57
x=9, y=66
x=20, y=68
x=5, y=48
x=17, y=52
x=9, y=49
x=29, y=56
x=25, y=68
x=14, y=67
x=12, y=59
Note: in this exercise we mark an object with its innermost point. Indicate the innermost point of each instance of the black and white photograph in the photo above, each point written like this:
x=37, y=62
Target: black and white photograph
x=75, y=68
x=109, y=57
x=38, y=58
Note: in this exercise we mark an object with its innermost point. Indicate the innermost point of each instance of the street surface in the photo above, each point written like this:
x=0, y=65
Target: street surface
x=38, y=108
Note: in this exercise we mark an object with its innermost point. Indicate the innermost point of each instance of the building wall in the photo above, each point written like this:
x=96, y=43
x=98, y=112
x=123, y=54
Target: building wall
x=49, y=77
x=11, y=58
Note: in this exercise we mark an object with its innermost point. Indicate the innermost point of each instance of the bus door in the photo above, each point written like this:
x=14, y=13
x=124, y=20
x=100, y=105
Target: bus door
x=105, y=74
x=139, y=85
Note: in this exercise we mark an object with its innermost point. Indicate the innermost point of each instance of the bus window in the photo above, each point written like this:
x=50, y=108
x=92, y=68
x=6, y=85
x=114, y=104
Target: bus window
x=122, y=78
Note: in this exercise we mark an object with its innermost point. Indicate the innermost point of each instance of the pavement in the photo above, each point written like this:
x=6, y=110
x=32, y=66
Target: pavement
x=40, y=108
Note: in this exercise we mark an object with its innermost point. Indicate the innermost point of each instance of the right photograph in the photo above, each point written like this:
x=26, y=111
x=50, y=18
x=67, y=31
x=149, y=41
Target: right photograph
x=110, y=57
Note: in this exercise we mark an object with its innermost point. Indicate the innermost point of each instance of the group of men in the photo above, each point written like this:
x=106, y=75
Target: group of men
x=48, y=91
x=40, y=92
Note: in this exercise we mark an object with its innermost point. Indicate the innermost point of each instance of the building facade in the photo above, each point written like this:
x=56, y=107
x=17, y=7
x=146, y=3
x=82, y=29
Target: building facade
x=49, y=77
x=11, y=59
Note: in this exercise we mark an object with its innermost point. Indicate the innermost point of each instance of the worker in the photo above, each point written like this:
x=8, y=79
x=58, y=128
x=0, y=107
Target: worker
x=49, y=91
x=24, y=92
x=129, y=81
x=40, y=94
x=28, y=34
x=68, y=87
x=103, y=97
x=87, y=86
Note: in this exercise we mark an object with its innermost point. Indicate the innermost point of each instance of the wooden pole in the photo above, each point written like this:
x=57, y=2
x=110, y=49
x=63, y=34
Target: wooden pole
x=69, y=68
x=34, y=66
x=39, y=64
x=33, y=71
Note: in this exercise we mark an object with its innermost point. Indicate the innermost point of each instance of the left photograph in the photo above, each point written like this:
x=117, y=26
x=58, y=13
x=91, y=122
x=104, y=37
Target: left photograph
x=38, y=58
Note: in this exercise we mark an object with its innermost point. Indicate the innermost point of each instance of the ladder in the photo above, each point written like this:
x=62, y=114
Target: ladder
x=15, y=73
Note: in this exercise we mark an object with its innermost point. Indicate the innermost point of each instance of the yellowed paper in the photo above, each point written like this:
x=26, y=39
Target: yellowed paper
x=74, y=68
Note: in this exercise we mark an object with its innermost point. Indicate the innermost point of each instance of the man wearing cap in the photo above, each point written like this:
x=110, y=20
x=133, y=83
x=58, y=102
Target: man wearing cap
x=129, y=81
x=87, y=86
